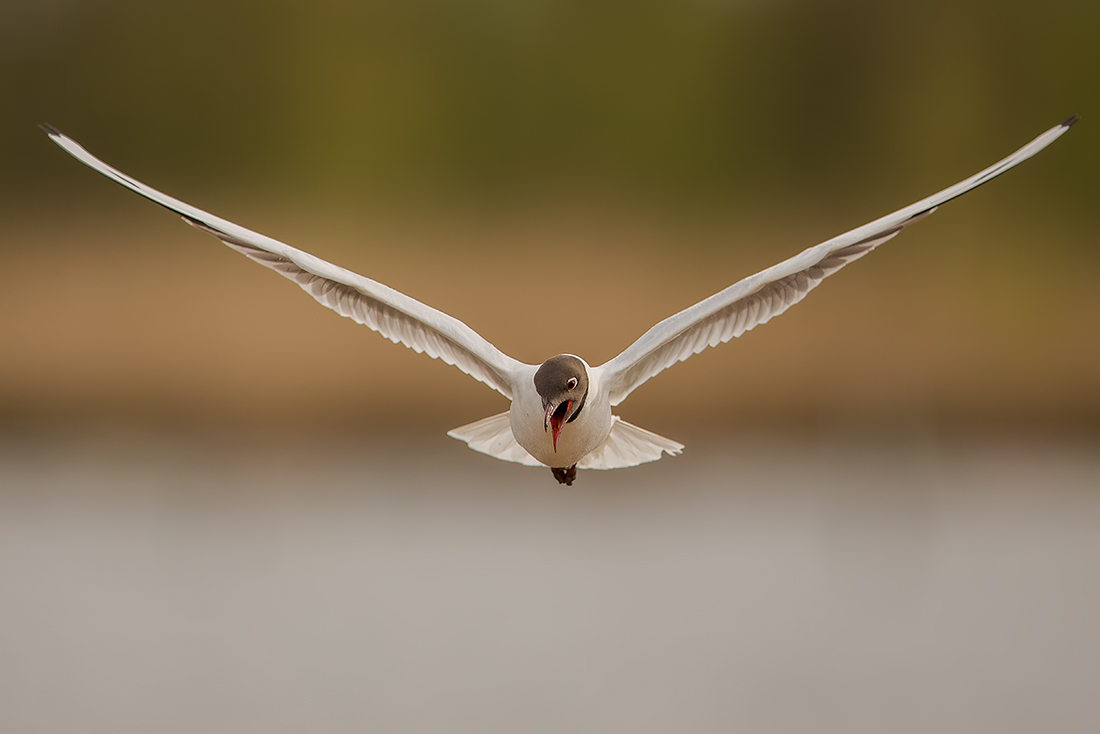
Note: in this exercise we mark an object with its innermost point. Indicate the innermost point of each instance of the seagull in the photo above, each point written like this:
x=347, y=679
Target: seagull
x=560, y=414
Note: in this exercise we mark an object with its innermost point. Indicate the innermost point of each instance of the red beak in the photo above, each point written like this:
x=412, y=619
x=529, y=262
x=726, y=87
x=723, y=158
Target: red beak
x=555, y=417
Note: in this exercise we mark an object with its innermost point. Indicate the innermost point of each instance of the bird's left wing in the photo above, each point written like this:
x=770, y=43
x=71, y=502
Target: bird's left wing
x=756, y=299
x=394, y=315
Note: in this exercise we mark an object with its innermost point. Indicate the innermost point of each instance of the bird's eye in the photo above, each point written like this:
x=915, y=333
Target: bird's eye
x=571, y=384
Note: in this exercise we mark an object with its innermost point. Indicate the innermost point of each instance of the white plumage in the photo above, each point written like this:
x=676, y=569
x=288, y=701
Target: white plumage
x=592, y=438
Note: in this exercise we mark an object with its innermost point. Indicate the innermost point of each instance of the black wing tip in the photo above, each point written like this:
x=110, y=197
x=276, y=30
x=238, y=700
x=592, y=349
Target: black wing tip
x=49, y=129
x=1070, y=120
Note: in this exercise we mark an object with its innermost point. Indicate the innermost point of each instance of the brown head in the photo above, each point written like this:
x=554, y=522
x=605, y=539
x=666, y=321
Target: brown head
x=562, y=383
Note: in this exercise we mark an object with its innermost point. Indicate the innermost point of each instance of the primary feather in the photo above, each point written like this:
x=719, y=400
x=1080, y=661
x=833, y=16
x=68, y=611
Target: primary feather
x=398, y=317
x=598, y=440
x=758, y=298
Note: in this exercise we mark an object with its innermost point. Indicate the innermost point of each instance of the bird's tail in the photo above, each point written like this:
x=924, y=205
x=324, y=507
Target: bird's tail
x=626, y=445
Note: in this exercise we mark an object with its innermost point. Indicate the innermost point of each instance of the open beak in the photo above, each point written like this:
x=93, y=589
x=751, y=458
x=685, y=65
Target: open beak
x=555, y=419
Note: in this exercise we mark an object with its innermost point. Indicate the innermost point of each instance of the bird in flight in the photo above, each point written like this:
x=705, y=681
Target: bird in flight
x=560, y=414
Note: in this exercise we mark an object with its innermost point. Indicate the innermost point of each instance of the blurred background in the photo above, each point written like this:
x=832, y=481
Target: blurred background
x=224, y=507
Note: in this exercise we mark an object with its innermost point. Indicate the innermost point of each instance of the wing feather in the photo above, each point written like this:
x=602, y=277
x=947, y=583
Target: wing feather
x=761, y=297
x=399, y=318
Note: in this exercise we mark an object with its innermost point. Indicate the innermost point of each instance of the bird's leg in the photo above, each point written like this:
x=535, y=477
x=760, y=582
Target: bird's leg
x=565, y=476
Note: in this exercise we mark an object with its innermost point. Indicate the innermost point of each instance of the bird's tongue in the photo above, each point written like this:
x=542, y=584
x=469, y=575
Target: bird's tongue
x=557, y=420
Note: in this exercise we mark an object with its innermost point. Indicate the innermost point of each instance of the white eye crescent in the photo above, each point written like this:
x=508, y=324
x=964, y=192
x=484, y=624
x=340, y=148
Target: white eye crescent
x=571, y=384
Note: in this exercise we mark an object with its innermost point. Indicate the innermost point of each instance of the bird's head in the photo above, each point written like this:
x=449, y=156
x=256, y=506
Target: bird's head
x=562, y=383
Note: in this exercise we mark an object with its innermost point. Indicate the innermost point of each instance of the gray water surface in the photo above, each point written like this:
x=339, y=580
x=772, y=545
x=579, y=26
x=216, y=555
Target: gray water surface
x=754, y=584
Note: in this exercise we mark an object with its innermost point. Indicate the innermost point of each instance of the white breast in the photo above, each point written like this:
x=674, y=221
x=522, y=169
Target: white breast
x=577, y=439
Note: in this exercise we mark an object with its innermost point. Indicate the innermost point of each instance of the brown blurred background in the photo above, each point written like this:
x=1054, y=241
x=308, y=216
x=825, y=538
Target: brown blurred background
x=225, y=509
x=470, y=154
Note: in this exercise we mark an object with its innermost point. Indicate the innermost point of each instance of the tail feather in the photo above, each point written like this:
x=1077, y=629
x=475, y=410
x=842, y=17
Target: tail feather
x=626, y=445
x=493, y=436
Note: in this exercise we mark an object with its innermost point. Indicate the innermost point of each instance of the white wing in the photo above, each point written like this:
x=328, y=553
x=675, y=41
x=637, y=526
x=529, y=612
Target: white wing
x=392, y=314
x=756, y=299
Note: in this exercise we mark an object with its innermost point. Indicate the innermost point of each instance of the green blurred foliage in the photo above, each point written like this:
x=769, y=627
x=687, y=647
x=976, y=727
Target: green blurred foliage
x=673, y=146
x=695, y=100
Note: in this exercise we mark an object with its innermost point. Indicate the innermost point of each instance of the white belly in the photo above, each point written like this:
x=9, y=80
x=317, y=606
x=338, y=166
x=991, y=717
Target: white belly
x=576, y=440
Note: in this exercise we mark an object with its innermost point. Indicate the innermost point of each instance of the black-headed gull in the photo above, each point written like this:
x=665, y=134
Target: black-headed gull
x=560, y=415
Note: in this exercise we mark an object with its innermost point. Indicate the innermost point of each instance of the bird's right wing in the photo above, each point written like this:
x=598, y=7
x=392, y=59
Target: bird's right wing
x=758, y=298
x=394, y=315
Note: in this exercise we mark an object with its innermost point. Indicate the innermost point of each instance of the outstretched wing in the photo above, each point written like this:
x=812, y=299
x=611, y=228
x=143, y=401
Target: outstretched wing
x=392, y=314
x=756, y=299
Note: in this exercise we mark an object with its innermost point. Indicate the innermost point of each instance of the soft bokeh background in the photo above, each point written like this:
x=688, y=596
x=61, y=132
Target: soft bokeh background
x=224, y=508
